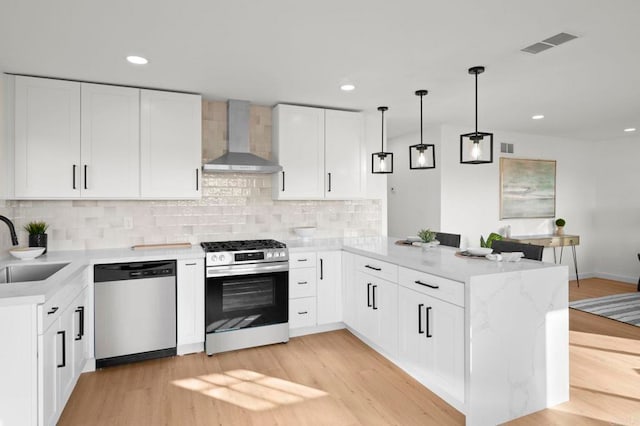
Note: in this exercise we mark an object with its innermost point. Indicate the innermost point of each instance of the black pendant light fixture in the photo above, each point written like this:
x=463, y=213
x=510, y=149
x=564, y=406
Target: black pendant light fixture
x=476, y=147
x=382, y=162
x=422, y=156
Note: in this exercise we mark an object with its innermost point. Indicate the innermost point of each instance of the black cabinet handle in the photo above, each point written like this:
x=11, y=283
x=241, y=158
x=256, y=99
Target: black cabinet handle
x=368, y=294
x=428, y=328
x=74, y=176
x=374, y=297
x=329, y=182
x=426, y=285
x=197, y=180
x=283, y=181
x=53, y=310
x=80, y=312
x=303, y=313
x=420, y=330
x=64, y=349
x=321, y=270
x=85, y=176
x=303, y=260
x=190, y=264
x=303, y=282
x=373, y=267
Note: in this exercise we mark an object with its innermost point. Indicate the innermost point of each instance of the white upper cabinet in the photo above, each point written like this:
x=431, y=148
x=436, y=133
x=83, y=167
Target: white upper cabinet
x=110, y=141
x=298, y=146
x=343, y=154
x=47, y=138
x=320, y=152
x=170, y=144
x=75, y=140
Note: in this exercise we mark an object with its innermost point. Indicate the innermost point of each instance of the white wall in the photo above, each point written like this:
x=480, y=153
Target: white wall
x=376, y=184
x=617, y=215
x=414, y=196
x=469, y=197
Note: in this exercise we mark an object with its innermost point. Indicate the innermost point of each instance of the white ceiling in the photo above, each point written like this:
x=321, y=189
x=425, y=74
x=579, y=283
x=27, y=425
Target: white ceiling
x=300, y=51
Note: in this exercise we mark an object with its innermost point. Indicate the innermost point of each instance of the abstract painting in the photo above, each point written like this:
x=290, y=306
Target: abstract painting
x=527, y=188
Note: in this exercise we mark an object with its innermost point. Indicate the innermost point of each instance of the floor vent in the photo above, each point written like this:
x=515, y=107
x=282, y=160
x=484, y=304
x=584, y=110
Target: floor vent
x=548, y=43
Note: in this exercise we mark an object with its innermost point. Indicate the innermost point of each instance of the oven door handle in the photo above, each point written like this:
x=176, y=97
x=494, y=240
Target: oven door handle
x=227, y=271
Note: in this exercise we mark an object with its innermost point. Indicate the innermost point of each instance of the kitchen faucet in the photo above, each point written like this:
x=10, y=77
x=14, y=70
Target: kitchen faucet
x=12, y=230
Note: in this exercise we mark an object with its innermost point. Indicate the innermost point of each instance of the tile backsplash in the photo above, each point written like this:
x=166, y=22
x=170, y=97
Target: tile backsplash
x=233, y=206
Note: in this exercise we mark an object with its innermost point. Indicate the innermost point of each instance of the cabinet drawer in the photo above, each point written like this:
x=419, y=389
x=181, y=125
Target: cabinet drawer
x=302, y=312
x=377, y=268
x=302, y=260
x=302, y=283
x=438, y=287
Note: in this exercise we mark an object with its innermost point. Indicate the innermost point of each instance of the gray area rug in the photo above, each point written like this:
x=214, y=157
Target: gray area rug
x=620, y=307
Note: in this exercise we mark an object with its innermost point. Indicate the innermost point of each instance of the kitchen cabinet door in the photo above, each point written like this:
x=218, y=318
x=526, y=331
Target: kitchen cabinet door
x=80, y=347
x=47, y=138
x=298, y=146
x=49, y=343
x=190, y=295
x=170, y=145
x=385, y=305
x=349, y=290
x=110, y=141
x=412, y=341
x=329, y=287
x=65, y=356
x=343, y=154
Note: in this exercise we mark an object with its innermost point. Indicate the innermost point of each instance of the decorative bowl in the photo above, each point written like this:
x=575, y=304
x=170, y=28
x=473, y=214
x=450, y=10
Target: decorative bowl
x=414, y=239
x=430, y=244
x=305, y=231
x=26, y=253
x=479, y=251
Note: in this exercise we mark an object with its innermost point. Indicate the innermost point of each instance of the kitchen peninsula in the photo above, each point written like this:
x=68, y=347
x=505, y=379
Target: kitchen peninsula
x=491, y=338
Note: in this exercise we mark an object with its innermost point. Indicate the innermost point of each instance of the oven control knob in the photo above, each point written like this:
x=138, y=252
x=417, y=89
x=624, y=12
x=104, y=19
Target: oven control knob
x=282, y=254
x=269, y=255
x=222, y=258
x=276, y=254
x=214, y=258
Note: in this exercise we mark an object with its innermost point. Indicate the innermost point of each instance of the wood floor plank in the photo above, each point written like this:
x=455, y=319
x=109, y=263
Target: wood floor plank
x=335, y=379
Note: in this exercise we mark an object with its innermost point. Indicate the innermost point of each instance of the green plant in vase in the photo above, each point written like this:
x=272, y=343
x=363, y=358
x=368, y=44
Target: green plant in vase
x=37, y=234
x=560, y=223
x=427, y=235
x=490, y=239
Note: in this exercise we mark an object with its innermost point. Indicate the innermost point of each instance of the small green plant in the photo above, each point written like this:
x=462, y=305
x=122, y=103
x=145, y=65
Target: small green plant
x=36, y=228
x=560, y=222
x=427, y=235
x=490, y=239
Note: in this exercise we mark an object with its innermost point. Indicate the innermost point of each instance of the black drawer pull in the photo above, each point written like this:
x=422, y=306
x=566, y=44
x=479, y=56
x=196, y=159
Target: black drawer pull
x=303, y=282
x=283, y=181
x=64, y=349
x=373, y=267
x=374, y=297
x=428, y=328
x=369, y=294
x=190, y=264
x=426, y=285
x=303, y=260
x=303, y=313
x=420, y=330
x=74, y=176
x=53, y=310
x=80, y=312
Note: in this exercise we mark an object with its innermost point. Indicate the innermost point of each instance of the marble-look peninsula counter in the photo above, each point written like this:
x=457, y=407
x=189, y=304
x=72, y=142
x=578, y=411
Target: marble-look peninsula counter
x=516, y=326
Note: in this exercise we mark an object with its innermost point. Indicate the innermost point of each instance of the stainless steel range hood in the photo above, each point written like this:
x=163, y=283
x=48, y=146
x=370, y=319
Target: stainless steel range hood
x=238, y=158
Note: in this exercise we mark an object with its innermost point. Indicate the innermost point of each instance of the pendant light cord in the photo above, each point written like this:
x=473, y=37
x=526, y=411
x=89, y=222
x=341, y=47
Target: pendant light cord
x=382, y=134
x=476, y=104
x=421, y=143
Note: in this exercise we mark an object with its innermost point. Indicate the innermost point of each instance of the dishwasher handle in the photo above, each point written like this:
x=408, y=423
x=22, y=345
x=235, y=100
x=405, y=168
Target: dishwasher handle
x=134, y=270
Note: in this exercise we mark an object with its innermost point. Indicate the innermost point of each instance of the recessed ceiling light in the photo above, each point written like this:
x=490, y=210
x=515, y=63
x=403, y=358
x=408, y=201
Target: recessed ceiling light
x=347, y=87
x=138, y=60
x=630, y=129
x=538, y=117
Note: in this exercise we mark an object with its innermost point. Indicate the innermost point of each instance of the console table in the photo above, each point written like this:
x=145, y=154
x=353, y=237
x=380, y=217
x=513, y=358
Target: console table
x=552, y=240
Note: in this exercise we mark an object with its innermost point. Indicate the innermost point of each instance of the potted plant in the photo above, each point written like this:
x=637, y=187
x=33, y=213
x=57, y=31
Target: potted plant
x=560, y=222
x=37, y=234
x=428, y=238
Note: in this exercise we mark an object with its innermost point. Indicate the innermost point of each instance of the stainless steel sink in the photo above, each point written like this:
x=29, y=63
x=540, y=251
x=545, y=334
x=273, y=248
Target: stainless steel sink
x=26, y=273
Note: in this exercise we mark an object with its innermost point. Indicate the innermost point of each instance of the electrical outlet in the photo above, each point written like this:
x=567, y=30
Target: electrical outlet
x=128, y=222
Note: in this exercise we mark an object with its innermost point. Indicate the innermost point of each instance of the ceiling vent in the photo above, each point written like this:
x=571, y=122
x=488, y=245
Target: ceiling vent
x=548, y=43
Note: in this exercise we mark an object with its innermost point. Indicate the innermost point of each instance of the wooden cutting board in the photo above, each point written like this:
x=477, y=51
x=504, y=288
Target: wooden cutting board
x=161, y=246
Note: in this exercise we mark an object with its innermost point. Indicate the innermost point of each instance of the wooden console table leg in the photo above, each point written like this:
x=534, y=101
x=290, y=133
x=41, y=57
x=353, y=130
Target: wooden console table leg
x=575, y=263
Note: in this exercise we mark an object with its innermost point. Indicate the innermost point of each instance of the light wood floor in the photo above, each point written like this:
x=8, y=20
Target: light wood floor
x=334, y=379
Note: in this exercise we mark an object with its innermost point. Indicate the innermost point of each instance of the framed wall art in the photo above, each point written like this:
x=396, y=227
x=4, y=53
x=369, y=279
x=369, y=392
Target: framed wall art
x=527, y=188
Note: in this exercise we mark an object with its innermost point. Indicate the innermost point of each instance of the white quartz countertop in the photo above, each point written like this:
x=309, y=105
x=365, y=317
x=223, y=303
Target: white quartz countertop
x=440, y=260
x=40, y=291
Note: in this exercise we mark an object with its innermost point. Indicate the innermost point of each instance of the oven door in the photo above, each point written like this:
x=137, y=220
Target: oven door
x=245, y=296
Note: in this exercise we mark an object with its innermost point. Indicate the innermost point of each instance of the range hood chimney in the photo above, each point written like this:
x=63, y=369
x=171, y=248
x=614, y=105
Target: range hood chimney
x=238, y=158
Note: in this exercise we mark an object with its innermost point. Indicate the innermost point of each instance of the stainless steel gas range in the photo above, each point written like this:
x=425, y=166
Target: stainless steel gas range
x=247, y=294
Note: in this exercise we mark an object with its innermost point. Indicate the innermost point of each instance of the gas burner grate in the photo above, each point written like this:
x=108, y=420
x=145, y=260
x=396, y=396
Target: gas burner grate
x=241, y=245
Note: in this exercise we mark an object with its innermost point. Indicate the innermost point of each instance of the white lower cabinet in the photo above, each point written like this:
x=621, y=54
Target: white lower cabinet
x=190, y=295
x=329, y=286
x=302, y=312
x=431, y=340
x=377, y=311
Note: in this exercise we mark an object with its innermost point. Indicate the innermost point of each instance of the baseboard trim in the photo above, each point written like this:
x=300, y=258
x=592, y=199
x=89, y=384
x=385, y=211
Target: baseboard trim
x=190, y=348
x=296, y=332
x=614, y=277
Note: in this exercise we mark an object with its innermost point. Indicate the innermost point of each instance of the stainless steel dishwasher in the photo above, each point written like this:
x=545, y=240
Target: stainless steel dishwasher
x=135, y=312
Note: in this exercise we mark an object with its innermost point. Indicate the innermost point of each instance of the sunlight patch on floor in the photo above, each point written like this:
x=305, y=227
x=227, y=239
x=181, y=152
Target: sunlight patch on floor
x=249, y=389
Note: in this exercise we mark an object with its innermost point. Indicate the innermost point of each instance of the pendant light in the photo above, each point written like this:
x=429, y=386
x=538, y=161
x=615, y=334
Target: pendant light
x=476, y=147
x=422, y=156
x=382, y=162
